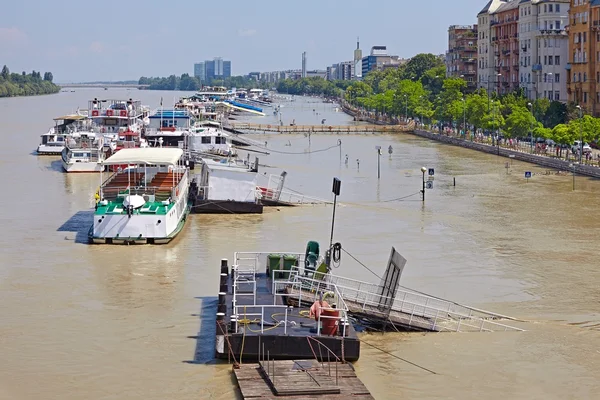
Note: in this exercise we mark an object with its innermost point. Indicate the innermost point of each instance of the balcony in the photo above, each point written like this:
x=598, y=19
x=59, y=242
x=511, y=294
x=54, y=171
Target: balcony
x=524, y=49
x=552, y=32
x=506, y=67
x=505, y=83
x=505, y=52
x=516, y=51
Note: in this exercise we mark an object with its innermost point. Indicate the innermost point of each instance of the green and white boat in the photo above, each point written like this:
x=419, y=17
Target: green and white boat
x=145, y=198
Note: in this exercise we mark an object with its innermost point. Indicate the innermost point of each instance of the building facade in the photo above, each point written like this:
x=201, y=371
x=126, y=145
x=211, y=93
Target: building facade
x=304, y=65
x=584, y=55
x=377, y=60
x=357, y=65
x=504, y=28
x=212, y=69
x=544, y=48
x=343, y=71
x=486, y=72
x=461, y=58
x=200, y=71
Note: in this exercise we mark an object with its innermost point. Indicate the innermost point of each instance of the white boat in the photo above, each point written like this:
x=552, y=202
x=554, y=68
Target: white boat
x=84, y=152
x=145, y=201
x=168, y=128
x=207, y=137
x=223, y=187
x=53, y=141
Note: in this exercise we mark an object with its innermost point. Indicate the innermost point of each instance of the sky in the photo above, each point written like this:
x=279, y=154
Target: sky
x=80, y=41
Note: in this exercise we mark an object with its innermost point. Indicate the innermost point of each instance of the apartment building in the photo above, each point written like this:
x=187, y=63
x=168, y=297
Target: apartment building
x=504, y=32
x=584, y=55
x=461, y=58
x=486, y=71
x=543, y=48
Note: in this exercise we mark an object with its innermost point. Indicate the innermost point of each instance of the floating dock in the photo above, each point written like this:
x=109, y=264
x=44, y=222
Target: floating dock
x=304, y=379
x=247, y=127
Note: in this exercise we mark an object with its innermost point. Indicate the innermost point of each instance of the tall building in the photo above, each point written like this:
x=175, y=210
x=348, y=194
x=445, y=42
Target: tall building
x=343, y=71
x=486, y=72
x=584, y=55
x=357, y=67
x=378, y=59
x=209, y=70
x=461, y=59
x=304, y=65
x=200, y=71
x=504, y=27
x=544, y=48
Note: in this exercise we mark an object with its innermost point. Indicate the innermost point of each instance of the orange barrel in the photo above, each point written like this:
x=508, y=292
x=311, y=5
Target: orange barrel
x=329, y=323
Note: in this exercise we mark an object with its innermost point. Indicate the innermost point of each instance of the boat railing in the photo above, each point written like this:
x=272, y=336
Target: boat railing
x=255, y=314
x=112, y=193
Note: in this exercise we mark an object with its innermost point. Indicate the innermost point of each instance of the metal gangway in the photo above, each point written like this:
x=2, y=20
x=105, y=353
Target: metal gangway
x=386, y=303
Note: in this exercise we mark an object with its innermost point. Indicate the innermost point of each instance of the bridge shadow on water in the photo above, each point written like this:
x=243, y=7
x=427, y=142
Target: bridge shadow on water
x=204, y=352
x=79, y=224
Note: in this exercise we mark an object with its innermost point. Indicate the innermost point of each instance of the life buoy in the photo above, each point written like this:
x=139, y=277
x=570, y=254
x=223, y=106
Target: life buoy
x=269, y=126
x=330, y=128
x=109, y=113
x=123, y=113
x=95, y=113
x=84, y=145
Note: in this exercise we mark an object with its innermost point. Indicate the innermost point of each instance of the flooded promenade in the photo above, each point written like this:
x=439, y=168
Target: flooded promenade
x=137, y=322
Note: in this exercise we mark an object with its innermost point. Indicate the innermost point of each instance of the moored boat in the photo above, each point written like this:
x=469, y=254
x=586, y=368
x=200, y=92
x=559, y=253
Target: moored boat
x=145, y=203
x=53, y=141
x=84, y=152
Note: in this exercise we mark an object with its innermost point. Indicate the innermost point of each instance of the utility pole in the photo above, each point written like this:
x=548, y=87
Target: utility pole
x=423, y=170
x=337, y=184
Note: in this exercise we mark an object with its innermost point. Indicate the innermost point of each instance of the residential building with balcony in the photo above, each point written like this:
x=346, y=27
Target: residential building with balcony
x=461, y=58
x=543, y=48
x=584, y=55
x=504, y=28
x=486, y=73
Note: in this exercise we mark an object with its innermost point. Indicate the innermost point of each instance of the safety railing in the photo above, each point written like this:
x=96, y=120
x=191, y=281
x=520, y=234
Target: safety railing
x=246, y=315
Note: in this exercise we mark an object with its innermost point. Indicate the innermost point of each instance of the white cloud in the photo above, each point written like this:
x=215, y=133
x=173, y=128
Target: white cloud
x=247, y=32
x=12, y=37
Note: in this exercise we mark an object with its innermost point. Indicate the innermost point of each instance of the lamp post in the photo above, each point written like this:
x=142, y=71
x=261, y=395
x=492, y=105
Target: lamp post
x=531, y=129
x=580, y=133
x=423, y=170
x=464, y=117
x=551, y=78
x=378, y=148
x=441, y=112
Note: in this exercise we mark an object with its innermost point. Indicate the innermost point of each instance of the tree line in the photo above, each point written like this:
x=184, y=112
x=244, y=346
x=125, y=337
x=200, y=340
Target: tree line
x=24, y=84
x=420, y=90
x=186, y=82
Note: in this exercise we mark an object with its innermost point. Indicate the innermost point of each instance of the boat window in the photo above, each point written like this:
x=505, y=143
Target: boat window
x=44, y=139
x=206, y=139
x=220, y=140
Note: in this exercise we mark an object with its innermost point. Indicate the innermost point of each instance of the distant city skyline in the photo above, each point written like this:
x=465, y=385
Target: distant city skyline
x=90, y=48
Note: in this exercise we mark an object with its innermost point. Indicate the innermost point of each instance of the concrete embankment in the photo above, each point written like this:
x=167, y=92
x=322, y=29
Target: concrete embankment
x=549, y=162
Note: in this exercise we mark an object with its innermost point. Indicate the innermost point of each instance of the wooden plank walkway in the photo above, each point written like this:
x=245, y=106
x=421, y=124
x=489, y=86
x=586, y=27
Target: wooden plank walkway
x=254, y=384
x=322, y=128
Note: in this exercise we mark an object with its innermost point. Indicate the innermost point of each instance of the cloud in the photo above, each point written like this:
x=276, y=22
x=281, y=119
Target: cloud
x=97, y=47
x=247, y=32
x=12, y=37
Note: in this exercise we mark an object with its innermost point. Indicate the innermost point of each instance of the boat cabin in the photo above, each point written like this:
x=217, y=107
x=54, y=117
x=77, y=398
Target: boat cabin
x=224, y=180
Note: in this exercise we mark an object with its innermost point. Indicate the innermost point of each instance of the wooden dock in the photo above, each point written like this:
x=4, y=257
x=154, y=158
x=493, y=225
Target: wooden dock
x=306, y=379
x=246, y=127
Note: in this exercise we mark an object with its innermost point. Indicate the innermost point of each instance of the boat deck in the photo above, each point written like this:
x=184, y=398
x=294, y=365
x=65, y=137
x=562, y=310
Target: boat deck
x=305, y=379
x=267, y=321
x=116, y=207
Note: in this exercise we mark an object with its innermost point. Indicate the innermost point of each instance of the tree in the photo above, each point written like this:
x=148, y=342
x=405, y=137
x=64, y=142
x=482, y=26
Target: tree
x=416, y=67
x=452, y=92
x=519, y=122
x=5, y=73
x=477, y=109
x=48, y=76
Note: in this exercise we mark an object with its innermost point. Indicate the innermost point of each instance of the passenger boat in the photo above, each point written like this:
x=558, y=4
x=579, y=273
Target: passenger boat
x=144, y=203
x=207, y=137
x=53, y=142
x=111, y=119
x=224, y=187
x=168, y=128
x=84, y=152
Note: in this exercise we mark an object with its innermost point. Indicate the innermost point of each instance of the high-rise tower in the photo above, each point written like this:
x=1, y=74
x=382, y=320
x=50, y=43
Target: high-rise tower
x=304, y=64
x=358, y=60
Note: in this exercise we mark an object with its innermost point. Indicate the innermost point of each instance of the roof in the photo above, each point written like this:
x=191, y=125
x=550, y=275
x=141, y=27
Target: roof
x=147, y=155
x=225, y=166
x=73, y=117
x=510, y=5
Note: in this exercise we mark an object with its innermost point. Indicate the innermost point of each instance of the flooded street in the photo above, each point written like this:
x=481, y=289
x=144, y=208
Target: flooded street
x=137, y=322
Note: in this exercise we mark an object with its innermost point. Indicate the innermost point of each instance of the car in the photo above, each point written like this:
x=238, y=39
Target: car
x=577, y=147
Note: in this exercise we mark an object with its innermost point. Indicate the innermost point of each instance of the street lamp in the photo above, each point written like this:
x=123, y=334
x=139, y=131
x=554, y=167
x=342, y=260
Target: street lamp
x=423, y=170
x=531, y=129
x=441, y=112
x=580, y=134
x=464, y=117
x=551, y=79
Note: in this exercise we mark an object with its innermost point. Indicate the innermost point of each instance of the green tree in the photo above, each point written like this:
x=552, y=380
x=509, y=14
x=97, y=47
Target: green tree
x=5, y=73
x=519, y=123
x=416, y=67
x=477, y=109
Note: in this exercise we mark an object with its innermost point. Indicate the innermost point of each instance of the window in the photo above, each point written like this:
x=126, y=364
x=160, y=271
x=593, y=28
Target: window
x=220, y=140
x=550, y=9
x=205, y=140
x=556, y=60
x=585, y=97
x=557, y=78
x=557, y=8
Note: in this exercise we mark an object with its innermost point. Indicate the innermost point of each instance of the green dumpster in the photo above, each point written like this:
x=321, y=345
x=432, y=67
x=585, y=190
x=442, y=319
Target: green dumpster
x=273, y=263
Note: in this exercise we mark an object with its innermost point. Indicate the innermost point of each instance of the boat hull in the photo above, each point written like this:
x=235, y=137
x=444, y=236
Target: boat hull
x=82, y=167
x=226, y=207
x=49, y=150
x=140, y=239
